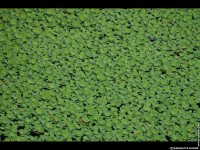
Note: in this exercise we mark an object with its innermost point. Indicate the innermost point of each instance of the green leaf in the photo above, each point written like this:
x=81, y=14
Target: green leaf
x=38, y=111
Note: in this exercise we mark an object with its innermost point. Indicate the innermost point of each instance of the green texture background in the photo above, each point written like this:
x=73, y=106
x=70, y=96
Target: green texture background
x=99, y=74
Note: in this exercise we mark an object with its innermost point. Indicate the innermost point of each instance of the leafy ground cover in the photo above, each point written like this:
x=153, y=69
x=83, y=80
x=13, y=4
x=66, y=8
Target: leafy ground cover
x=99, y=75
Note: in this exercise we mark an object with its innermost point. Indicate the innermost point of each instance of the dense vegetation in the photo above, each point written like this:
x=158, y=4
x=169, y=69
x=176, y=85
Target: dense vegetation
x=99, y=75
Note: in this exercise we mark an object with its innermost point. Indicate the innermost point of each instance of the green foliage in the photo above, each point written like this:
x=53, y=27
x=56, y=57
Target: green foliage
x=99, y=75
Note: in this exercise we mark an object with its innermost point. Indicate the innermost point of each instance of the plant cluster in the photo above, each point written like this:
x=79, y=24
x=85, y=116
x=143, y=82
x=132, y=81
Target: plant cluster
x=99, y=74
